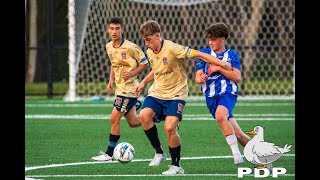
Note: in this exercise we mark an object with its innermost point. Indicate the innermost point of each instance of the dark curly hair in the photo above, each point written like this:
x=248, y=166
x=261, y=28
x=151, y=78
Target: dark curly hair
x=217, y=30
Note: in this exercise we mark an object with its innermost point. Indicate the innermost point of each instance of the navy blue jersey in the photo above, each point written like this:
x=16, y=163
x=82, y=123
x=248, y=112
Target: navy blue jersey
x=217, y=84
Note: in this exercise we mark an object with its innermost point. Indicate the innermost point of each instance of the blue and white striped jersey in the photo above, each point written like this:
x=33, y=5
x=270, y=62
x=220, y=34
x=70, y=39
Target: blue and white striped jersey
x=218, y=84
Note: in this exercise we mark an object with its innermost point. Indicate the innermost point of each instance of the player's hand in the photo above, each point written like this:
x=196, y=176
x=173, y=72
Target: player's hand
x=126, y=75
x=203, y=78
x=138, y=88
x=110, y=90
x=213, y=68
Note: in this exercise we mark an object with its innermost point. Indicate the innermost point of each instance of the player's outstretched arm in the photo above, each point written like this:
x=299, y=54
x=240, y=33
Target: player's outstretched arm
x=147, y=79
x=211, y=59
x=137, y=70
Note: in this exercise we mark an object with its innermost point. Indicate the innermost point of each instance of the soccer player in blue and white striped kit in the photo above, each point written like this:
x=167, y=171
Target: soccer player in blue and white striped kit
x=220, y=86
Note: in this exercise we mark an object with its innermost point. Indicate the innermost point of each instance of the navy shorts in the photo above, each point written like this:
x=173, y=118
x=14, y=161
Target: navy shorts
x=124, y=104
x=165, y=108
x=227, y=100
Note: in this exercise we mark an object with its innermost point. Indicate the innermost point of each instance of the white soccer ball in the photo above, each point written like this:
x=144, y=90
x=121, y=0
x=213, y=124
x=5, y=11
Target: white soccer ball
x=124, y=152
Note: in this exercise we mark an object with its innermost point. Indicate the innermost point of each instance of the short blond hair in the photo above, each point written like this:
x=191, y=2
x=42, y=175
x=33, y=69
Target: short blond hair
x=149, y=27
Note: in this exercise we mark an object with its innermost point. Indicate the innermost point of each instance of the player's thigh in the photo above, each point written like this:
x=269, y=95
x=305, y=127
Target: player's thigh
x=151, y=107
x=131, y=116
x=147, y=113
x=221, y=112
x=226, y=105
x=115, y=116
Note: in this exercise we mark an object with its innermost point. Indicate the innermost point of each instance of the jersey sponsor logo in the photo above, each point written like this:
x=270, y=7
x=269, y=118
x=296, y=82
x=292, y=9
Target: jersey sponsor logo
x=214, y=77
x=165, y=61
x=121, y=64
x=158, y=74
x=123, y=55
x=118, y=102
x=180, y=108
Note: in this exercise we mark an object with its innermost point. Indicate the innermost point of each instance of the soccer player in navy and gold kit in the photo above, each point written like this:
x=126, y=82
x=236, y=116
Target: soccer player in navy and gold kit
x=167, y=95
x=220, y=87
x=127, y=60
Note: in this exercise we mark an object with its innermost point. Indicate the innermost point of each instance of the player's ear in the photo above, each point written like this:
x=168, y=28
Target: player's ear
x=157, y=35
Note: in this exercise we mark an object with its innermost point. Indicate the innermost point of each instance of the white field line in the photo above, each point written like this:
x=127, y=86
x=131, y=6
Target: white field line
x=111, y=105
x=135, y=160
x=240, y=117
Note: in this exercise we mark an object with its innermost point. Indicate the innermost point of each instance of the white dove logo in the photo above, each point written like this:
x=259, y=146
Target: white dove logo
x=262, y=153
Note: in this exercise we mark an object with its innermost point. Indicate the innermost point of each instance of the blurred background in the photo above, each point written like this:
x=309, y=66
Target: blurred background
x=65, y=42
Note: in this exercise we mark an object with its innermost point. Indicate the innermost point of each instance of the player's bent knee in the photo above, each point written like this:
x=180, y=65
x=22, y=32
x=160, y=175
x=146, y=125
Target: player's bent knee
x=220, y=119
x=114, y=121
x=170, y=129
x=145, y=119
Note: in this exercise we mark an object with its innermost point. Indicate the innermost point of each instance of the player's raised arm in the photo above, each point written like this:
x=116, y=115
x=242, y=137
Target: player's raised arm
x=209, y=59
x=147, y=79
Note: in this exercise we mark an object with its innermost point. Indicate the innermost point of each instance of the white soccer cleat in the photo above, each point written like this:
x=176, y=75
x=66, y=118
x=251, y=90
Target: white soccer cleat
x=102, y=157
x=157, y=159
x=237, y=158
x=173, y=170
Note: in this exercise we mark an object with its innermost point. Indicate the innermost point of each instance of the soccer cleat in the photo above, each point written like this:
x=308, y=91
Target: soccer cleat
x=173, y=170
x=157, y=159
x=138, y=105
x=237, y=158
x=102, y=157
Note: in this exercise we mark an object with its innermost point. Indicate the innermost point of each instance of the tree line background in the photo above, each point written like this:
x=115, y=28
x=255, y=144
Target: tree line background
x=42, y=43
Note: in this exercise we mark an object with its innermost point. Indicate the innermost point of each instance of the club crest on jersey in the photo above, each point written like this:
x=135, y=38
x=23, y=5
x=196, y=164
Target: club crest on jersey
x=123, y=55
x=165, y=61
x=118, y=101
x=180, y=108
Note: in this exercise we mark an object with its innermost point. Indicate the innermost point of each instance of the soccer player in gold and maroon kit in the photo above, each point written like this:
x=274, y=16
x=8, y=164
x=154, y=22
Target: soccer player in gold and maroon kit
x=127, y=60
x=167, y=95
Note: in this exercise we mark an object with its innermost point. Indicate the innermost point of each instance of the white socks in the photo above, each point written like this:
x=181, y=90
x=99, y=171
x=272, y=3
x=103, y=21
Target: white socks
x=233, y=143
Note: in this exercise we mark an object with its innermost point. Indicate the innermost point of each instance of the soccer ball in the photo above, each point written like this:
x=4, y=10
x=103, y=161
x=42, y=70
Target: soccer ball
x=123, y=152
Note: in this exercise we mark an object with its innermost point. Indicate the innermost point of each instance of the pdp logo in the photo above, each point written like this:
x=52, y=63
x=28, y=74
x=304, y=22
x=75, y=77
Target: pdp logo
x=258, y=174
x=262, y=154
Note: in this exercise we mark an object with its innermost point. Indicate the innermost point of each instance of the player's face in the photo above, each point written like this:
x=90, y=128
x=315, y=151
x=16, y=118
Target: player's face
x=216, y=44
x=115, y=31
x=153, y=42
